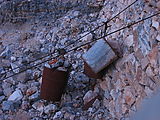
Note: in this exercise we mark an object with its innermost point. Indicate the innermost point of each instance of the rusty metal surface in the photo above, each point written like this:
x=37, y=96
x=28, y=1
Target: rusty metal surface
x=89, y=72
x=53, y=84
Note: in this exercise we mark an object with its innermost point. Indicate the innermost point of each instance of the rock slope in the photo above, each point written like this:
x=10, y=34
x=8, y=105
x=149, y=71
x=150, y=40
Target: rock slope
x=129, y=80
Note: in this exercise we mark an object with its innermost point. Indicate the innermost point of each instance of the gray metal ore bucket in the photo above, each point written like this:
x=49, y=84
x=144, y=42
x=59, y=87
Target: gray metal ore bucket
x=54, y=82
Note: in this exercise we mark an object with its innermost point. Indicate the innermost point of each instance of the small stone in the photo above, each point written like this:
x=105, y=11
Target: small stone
x=89, y=96
x=153, y=56
x=158, y=5
x=13, y=58
x=47, y=65
x=106, y=94
x=1, y=91
x=113, y=94
x=1, y=113
x=139, y=55
x=22, y=87
x=38, y=106
x=48, y=36
x=34, y=97
x=15, y=68
x=35, y=84
x=62, y=69
x=148, y=91
x=144, y=62
x=149, y=71
x=40, y=80
x=31, y=91
x=66, y=64
x=2, y=71
x=2, y=98
x=111, y=108
x=5, y=63
x=8, y=91
x=63, y=41
x=42, y=41
x=129, y=41
x=15, y=96
x=6, y=53
x=79, y=55
x=96, y=104
x=7, y=105
x=10, y=81
x=124, y=108
x=81, y=78
x=119, y=85
x=76, y=13
x=129, y=96
x=158, y=38
x=57, y=115
x=25, y=105
x=155, y=24
x=104, y=85
x=6, y=85
x=68, y=116
x=22, y=116
x=51, y=108
x=86, y=37
x=22, y=77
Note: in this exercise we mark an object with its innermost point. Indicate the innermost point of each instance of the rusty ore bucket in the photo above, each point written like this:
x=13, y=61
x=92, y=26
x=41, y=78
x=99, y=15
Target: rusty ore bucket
x=54, y=82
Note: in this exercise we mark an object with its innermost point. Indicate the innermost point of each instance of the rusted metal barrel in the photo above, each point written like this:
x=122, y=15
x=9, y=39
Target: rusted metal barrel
x=54, y=82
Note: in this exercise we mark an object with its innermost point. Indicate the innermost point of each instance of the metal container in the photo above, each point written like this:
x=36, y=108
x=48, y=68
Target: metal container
x=53, y=85
x=98, y=57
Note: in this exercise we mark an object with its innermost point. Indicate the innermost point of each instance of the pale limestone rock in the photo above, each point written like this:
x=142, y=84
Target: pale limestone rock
x=111, y=108
x=15, y=96
x=87, y=37
x=149, y=71
x=119, y=85
x=113, y=94
x=129, y=41
x=50, y=108
x=103, y=85
x=89, y=96
x=57, y=115
x=155, y=24
x=124, y=108
x=15, y=68
x=158, y=5
x=158, y=38
x=148, y=91
x=144, y=79
x=144, y=62
x=129, y=95
x=153, y=56
x=38, y=106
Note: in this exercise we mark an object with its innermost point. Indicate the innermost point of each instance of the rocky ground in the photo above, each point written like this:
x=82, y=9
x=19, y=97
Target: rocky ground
x=26, y=37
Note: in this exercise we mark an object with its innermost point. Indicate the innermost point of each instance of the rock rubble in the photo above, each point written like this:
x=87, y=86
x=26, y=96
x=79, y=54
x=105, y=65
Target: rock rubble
x=126, y=83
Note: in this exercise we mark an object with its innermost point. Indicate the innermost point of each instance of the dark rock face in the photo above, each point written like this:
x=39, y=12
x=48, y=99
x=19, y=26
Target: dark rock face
x=21, y=10
x=17, y=10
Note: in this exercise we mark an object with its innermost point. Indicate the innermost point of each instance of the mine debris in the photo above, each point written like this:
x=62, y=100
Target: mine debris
x=99, y=56
x=53, y=83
